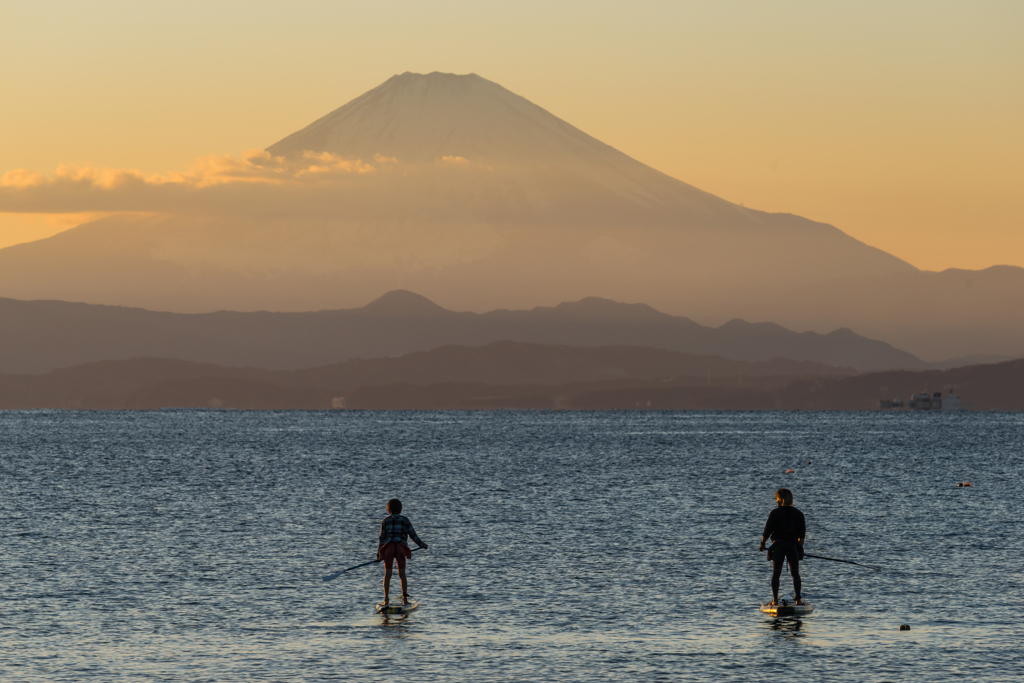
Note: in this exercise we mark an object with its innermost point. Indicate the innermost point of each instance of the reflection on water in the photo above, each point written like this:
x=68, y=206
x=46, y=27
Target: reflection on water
x=394, y=626
x=397, y=622
x=787, y=626
x=189, y=545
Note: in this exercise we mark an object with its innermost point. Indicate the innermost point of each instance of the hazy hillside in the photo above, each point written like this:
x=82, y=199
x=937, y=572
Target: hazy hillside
x=159, y=382
x=38, y=336
x=506, y=375
x=997, y=386
x=456, y=188
x=985, y=387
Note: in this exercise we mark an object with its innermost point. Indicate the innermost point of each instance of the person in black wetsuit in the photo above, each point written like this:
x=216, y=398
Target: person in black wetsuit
x=786, y=527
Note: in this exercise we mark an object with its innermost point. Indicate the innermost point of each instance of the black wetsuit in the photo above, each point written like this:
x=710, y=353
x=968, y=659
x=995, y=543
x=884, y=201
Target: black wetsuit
x=786, y=527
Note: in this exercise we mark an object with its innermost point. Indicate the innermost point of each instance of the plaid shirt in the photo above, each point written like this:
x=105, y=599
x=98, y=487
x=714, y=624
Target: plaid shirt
x=395, y=529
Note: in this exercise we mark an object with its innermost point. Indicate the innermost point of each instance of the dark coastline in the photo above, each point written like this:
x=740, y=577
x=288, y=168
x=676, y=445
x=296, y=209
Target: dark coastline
x=507, y=376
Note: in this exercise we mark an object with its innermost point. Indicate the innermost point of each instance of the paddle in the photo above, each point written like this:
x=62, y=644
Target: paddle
x=332, y=577
x=832, y=559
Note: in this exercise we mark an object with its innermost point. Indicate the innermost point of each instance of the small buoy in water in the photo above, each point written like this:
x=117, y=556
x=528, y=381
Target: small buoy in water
x=790, y=471
x=904, y=627
x=808, y=462
x=965, y=483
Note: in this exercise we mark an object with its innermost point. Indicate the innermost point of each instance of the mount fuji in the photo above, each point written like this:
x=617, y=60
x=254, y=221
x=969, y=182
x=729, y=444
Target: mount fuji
x=464, y=192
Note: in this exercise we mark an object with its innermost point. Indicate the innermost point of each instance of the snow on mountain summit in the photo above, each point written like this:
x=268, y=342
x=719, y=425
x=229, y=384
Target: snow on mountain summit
x=469, y=194
x=437, y=117
x=424, y=117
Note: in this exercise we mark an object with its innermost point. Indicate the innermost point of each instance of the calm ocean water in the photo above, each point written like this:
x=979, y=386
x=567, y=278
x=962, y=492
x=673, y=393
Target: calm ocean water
x=189, y=546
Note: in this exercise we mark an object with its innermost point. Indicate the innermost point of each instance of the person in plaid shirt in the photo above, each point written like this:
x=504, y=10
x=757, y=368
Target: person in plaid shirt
x=392, y=545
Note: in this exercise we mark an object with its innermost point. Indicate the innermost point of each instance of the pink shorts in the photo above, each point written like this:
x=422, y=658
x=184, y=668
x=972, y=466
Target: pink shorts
x=395, y=551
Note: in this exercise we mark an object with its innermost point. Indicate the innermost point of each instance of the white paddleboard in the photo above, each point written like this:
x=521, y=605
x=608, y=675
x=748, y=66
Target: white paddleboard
x=787, y=605
x=396, y=607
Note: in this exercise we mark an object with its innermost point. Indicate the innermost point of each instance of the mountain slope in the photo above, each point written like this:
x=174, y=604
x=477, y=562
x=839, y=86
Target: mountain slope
x=456, y=188
x=507, y=375
x=142, y=383
x=39, y=336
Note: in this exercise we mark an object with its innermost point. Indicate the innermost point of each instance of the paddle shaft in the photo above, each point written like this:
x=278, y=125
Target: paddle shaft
x=832, y=559
x=335, y=575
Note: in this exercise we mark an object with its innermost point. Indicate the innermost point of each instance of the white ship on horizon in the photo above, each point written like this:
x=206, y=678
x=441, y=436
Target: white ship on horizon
x=924, y=401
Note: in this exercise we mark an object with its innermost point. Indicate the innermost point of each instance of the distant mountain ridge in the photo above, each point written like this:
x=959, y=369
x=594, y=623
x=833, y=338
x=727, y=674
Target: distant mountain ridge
x=40, y=336
x=147, y=383
x=456, y=188
x=505, y=375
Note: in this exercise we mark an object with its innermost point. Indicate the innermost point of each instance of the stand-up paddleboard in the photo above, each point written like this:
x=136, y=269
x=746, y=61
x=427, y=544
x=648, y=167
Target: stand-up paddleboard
x=396, y=607
x=787, y=605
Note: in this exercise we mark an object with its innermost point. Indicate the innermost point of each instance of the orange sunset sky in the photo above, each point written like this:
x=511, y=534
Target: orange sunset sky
x=898, y=122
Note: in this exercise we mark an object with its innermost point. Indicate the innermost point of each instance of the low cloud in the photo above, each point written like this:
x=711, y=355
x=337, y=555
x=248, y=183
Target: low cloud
x=74, y=189
x=257, y=167
x=310, y=185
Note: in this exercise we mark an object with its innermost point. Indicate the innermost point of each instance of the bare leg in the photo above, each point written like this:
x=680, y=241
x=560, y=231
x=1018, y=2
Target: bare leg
x=387, y=581
x=405, y=584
